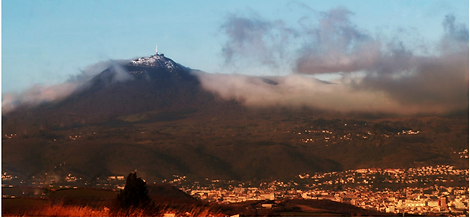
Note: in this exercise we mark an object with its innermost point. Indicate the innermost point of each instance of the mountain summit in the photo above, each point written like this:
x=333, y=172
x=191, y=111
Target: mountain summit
x=150, y=69
x=157, y=60
x=158, y=67
x=143, y=84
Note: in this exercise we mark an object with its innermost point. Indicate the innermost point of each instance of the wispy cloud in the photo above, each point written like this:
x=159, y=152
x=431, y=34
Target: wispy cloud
x=38, y=94
x=381, y=74
x=335, y=45
x=253, y=40
x=428, y=81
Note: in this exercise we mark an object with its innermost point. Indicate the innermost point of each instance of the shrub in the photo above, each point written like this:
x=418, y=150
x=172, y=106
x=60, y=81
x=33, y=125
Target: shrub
x=135, y=193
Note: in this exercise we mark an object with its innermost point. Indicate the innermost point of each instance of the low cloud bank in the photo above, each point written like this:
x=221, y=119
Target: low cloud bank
x=38, y=94
x=295, y=91
x=378, y=74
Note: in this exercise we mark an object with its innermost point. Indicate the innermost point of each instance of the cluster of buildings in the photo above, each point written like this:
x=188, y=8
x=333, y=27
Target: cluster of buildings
x=431, y=190
x=9, y=136
x=408, y=132
x=463, y=154
x=327, y=135
x=75, y=137
x=438, y=190
x=423, y=201
x=67, y=181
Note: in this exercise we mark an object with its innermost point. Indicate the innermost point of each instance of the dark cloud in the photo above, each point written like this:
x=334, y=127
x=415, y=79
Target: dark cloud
x=408, y=77
x=456, y=35
x=335, y=45
x=252, y=39
x=437, y=81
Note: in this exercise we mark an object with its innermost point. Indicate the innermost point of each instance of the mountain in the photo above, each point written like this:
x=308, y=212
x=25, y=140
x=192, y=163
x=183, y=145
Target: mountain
x=145, y=84
x=152, y=115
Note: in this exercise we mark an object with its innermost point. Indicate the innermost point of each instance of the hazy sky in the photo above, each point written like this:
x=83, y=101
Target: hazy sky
x=46, y=42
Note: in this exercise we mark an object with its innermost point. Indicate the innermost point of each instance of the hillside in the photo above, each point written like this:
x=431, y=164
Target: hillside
x=161, y=122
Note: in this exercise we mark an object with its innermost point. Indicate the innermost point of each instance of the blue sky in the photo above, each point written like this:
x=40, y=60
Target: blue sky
x=45, y=42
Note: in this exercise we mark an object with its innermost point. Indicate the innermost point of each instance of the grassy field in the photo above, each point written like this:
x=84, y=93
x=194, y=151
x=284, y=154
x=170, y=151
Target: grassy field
x=98, y=203
x=23, y=203
x=102, y=203
x=310, y=214
x=43, y=208
x=19, y=205
x=85, y=193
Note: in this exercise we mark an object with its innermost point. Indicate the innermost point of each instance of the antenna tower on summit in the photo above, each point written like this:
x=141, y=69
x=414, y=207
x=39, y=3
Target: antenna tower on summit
x=156, y=49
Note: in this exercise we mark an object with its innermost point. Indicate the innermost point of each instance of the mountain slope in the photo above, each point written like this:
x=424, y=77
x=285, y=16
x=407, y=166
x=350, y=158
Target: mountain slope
x=120, y=102
x=152, y=115
x=154, y=83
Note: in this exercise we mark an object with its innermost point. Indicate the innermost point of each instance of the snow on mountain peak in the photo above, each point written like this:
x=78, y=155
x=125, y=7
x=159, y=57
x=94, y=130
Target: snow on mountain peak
x=157, y=60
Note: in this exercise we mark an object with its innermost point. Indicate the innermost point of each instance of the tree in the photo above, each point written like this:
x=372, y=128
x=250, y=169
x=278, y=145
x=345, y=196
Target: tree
x=135, y=193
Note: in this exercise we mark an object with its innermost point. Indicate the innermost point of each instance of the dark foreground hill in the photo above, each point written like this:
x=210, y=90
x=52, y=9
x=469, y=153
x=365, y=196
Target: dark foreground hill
x=157, y=119
x=167, y=199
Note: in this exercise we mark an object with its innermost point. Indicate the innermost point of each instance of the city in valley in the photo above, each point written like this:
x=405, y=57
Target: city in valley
x=432, y=190
x=422, y=188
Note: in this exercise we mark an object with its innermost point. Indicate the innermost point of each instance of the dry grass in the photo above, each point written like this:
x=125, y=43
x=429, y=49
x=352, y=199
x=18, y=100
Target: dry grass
x=87, y=211
x=63, y=211
x=193, y=212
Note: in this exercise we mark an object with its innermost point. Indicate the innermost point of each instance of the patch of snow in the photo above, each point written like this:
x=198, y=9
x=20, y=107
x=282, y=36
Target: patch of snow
x=156, y=60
